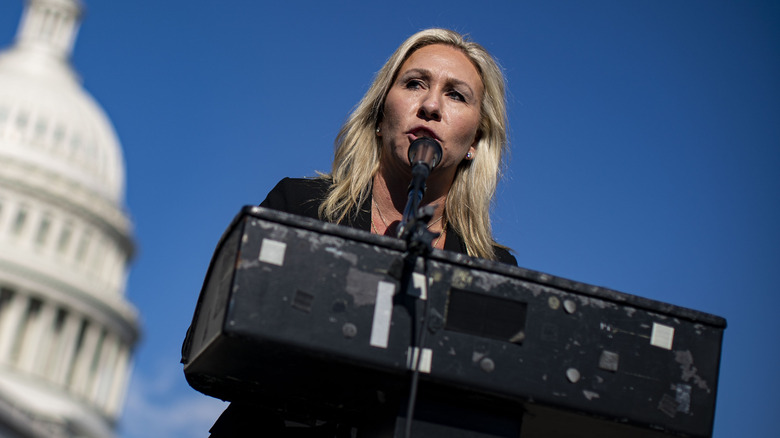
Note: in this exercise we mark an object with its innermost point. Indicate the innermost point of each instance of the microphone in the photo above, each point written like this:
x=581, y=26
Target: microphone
x=424, y=154
x=425, y=151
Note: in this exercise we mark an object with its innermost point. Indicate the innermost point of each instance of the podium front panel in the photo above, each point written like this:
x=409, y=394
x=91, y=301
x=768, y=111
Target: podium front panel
x=317, y=320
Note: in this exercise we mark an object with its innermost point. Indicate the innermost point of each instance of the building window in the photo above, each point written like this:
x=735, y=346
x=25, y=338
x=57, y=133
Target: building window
x=65, y=235
x=22, y=119
x=43, y=231
x=58, y=136
x=76, y=145
x=83, y=247
x=39, y=133
x=19, y=222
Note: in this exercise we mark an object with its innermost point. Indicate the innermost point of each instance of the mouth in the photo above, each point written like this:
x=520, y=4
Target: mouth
x=421, y=131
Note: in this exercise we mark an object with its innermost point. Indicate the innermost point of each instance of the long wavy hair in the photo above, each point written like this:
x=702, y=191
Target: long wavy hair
x=357, y=147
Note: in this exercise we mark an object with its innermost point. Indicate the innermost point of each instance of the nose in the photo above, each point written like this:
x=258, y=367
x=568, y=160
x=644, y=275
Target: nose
x=430, y=107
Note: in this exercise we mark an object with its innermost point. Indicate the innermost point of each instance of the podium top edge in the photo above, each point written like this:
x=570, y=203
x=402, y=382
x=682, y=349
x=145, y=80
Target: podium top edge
x=525, y=274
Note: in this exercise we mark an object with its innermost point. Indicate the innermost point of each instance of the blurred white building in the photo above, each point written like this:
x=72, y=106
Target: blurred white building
x=67, y=332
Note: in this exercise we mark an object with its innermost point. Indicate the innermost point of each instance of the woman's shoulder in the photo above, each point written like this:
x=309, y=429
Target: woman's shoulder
x=301, y=196
x=504, y=256
x=456, y=243
x=293, y=185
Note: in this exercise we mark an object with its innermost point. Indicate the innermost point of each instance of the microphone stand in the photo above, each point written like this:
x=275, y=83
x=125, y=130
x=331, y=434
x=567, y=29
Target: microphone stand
x=424, y=154
x=414, y=225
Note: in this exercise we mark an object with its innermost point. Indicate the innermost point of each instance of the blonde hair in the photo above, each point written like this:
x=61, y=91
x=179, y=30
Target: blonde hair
x=357, y=154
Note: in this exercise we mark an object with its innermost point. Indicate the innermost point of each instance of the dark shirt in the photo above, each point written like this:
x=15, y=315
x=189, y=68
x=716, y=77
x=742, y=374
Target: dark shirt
x=303, y=196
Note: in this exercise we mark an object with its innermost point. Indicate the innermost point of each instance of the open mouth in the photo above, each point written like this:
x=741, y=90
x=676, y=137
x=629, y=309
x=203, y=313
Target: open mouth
x=423, y=132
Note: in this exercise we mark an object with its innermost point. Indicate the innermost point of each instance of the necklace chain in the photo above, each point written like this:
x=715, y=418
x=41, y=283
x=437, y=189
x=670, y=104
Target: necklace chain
x=384, y=222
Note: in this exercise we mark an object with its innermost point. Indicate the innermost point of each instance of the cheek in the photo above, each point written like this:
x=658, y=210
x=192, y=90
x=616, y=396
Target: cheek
x=392, y=111
x=469, y=128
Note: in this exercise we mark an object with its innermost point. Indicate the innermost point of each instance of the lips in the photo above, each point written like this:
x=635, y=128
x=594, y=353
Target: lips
x=421, y=131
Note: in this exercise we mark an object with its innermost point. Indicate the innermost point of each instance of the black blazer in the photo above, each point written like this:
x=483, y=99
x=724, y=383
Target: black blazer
x=303, y=196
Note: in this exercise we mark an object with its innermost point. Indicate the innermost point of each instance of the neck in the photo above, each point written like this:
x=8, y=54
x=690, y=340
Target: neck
x=391, y=193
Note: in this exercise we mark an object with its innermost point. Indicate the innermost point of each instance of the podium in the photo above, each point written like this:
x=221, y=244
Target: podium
x=313, y=321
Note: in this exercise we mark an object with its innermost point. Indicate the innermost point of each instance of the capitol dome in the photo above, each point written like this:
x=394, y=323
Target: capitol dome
x=67, y=332
x=46, y=118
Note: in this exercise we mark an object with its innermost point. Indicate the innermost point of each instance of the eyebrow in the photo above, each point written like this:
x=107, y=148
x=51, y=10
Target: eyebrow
x=427, y=73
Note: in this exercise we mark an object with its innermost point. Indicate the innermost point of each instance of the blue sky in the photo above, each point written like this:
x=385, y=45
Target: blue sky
x=645, y=153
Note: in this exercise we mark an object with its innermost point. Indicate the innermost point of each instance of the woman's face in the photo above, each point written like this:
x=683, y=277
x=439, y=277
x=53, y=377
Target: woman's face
x=437, y=93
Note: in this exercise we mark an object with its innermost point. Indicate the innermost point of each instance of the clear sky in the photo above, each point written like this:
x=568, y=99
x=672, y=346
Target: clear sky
x=645, y=153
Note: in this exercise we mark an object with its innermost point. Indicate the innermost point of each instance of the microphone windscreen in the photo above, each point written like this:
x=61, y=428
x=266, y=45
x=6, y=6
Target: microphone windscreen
x=425, y=150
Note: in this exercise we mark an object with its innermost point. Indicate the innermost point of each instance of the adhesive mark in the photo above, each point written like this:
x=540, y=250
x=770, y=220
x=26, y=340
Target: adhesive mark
x=272, y=252
x=668, y=405
x=419, y=284
x=425, y=360
x=461, y=278
x=662, y=336
x=383, y=314
x=362, y=286
x=348, y=256
x=689, y=372
x=303, y=301
x=590, y=395
x=609, y=360
x=683, y=397
x=486, y=281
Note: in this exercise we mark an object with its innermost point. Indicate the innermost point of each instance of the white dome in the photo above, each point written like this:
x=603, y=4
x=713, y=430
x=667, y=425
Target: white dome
x=66, y=331
x=47, y=120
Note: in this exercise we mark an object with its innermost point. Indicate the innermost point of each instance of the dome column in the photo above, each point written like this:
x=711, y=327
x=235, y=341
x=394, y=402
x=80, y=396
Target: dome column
x=101, y=377
x=10, y=320
x=117, y=391
x=67, y=349
x=81, y=368
x=36, y=340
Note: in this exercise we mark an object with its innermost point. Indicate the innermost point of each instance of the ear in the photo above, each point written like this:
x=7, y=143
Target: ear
x=378, y=127
x=477, y=138
x=473, y=148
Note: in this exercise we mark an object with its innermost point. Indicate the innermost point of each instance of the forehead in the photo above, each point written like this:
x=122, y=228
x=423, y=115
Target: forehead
x=444, y=60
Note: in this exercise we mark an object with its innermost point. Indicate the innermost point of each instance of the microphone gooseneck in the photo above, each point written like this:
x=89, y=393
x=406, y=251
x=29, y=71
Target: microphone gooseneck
x=424, y=154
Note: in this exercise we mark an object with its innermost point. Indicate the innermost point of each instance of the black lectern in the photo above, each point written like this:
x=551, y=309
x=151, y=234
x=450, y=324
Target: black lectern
x=306, y=318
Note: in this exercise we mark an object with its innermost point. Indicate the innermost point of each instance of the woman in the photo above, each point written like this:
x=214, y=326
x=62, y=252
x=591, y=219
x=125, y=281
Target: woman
x=436, y=84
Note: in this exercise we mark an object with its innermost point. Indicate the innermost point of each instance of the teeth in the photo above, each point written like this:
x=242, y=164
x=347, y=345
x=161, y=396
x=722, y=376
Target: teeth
x=424, y=133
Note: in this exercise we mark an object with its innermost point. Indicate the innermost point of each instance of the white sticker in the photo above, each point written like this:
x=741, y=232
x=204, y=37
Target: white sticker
x=419, y=284
x=383, y=314
x=425, y=359
x=272, y=251
x=662, y=336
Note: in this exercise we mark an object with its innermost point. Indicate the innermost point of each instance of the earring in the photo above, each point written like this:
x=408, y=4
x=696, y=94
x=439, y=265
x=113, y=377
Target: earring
x=378, y=130
x=469, y=155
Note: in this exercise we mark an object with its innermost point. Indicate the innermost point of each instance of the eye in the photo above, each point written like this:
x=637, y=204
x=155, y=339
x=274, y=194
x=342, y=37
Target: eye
x=455, y=95
x=414, y=84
